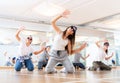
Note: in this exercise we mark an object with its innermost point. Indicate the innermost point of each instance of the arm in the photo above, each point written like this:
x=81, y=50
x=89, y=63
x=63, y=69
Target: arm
x=39, y=51
x=98, y=42
x=56, y=28
x=5, y=53
x=80, y=48
x=18, y=32
x=48, y=57
x=106, y=58
x=85, y=57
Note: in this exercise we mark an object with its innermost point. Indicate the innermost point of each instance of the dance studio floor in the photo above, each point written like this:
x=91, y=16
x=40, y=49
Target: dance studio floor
x=24, y=76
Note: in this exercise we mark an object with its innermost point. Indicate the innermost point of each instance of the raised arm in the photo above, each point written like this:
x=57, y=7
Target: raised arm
x=80, y=48
x=84, y=58
x=53, y=22
x=98, y=42
x=5, y=53
x=18, y=32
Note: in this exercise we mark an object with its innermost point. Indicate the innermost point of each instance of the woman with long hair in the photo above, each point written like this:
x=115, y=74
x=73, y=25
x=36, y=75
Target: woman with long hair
x=62, y=46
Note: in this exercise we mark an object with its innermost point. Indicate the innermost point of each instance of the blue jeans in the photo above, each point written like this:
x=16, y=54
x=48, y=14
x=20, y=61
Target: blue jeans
x=28, y=64
x=41, y=64
x=79, y=65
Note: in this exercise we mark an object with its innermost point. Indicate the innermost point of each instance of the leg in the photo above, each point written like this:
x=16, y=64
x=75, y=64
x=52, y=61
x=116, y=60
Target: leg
x=44, y=64
x=68, y=66
x=18, y=65
x=40, y=65
x=50, y=66
x=29, y=65
x=104, y=66
x=81, y=65
x=95, y=66
x=75, y=65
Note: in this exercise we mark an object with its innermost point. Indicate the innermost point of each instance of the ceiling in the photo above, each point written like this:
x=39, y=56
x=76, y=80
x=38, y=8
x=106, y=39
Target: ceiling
x=82, y=11
x=91, y=16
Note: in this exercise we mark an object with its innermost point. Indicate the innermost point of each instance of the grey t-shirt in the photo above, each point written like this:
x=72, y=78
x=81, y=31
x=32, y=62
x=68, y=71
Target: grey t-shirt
x=77, y=58
x=43, y=56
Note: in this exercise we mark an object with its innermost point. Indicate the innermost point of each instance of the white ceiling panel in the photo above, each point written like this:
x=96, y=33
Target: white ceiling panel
x=14, y=13
x=82, y=11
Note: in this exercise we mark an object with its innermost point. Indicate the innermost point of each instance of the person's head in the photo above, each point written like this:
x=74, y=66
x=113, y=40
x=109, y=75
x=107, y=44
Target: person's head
x=105, y=46
x=70, y=32
x=13, y=59
x=47, y=48
x=29, y=39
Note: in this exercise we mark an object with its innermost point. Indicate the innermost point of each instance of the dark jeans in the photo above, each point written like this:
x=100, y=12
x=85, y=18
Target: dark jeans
x=41, y=65
x=28, y=64
x=100, y=65
x=80, y=65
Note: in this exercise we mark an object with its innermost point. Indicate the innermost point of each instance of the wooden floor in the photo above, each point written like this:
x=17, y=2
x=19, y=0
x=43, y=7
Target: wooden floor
x=24, y=76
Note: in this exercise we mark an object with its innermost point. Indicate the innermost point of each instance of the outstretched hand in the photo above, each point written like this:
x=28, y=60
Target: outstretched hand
x=104, y=40
x=21, y=28
x=65, y=13
x=84, y=44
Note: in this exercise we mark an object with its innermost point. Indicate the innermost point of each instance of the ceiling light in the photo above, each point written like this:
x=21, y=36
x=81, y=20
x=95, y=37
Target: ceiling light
x=48, y=9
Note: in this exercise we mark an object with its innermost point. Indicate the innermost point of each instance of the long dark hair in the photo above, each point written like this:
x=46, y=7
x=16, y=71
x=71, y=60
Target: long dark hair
x=70, y=37
x=106, y=51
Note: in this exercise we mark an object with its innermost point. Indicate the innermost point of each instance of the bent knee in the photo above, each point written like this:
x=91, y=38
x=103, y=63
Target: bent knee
x=71, y=70
x=30, y=69
x=17, y=69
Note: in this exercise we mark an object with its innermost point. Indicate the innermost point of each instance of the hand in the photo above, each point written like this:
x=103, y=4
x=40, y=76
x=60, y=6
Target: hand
x=5, y=53
x=112, y=53
x=21, y=28
x=84, y=45
x=43, y=48
x=104, y=40
x=65, y=13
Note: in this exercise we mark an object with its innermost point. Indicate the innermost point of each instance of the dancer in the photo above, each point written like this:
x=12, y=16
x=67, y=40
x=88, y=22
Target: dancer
x=8, y=60
x=62, y=46
x=44, y=56
x=76, y=61
x=25, y=52
x=102, y=55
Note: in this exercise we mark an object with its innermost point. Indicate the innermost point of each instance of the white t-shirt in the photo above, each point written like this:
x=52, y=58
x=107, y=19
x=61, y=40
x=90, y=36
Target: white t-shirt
x=59, y=43
x=100, y=55
x=23, y=49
